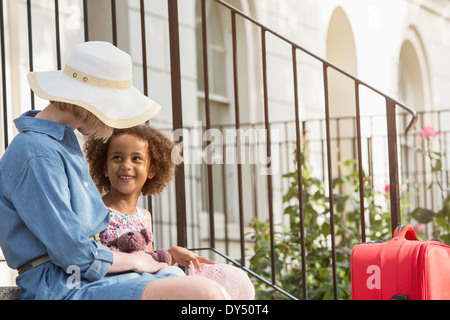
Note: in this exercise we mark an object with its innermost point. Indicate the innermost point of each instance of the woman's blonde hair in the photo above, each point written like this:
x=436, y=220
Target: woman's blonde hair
x=101, y=130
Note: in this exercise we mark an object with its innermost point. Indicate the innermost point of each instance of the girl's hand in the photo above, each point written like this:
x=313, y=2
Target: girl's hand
x=183, y=257
x=144, y=262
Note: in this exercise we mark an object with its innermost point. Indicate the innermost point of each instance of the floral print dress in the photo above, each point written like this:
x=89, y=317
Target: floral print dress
x=121, y=223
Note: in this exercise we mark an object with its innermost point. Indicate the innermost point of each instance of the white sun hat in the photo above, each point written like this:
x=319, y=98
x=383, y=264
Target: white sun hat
x=98, y=77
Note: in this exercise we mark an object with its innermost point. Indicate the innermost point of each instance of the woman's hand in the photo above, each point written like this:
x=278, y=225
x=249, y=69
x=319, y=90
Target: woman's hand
x=183, y=257
x=139, y=262
x=145, y=263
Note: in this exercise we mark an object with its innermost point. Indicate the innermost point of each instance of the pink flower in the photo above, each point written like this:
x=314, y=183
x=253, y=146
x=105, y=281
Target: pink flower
x=428, y=132
x=419, y=228
x=387, y=188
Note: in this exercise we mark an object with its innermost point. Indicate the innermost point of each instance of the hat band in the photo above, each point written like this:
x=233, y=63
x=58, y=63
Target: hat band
x=95, y=81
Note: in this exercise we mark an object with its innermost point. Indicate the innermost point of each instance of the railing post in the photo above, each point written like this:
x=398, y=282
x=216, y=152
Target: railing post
x=360, y=164
x=209, y=171
x=330, y=181
x=86, y=20
x=238, y=134
x=177, y=117
x=30, y=47
x=58, y=35
x=3, y=76
x=393, y=164
x=298, y=152
x=269, y=153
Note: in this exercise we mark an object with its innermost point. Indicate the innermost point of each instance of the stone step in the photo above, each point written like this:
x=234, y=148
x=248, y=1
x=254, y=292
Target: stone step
x=9, y=293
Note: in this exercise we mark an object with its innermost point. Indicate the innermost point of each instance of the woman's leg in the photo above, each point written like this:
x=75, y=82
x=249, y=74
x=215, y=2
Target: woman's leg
x=184, y=288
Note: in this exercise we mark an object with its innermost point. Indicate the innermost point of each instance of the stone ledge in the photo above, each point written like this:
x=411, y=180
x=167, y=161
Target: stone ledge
x=9, y=293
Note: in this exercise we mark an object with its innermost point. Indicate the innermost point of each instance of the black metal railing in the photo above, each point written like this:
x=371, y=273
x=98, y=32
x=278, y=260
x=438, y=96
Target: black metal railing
x=182, y=182
x=391, y=110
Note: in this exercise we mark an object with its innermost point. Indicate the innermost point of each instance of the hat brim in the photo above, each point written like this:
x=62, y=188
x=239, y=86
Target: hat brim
x=114, y=107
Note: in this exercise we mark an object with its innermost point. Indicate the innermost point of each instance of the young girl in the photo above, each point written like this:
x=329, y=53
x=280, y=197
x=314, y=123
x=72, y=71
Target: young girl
x=133, y=162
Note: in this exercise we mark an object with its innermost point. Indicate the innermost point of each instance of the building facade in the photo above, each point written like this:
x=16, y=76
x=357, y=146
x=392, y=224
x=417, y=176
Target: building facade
x=400, y=47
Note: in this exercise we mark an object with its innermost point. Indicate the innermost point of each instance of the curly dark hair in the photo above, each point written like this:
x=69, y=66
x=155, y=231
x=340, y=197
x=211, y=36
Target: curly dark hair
x=161, y=150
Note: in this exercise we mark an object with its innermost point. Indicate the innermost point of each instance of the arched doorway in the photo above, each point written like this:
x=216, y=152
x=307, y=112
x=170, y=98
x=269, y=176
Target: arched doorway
x=341, y=51
x=414, y=90
x=413, y=87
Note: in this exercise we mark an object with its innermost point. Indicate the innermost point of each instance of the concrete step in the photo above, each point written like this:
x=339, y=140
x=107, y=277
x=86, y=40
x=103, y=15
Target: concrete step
x=9, y=293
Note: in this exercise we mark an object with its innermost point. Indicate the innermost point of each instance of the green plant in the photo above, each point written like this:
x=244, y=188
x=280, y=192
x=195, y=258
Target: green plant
x=439, y=219
x=347, y=226
x=317, y=233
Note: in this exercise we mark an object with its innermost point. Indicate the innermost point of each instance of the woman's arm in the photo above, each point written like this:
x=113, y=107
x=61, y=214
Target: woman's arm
x=139, y=262
x=43, y=200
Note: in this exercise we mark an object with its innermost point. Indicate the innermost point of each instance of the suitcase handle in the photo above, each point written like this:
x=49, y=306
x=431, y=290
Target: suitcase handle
x=405, y=231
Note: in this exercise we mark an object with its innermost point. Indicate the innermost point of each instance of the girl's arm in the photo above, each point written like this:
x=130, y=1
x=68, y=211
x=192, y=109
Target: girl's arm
x=183, y=257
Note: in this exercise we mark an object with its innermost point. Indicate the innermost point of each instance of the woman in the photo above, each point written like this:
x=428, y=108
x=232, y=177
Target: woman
x=50, y=208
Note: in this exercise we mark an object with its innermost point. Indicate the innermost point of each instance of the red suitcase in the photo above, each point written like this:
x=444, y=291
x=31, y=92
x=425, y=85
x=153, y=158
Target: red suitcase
x=402, y=268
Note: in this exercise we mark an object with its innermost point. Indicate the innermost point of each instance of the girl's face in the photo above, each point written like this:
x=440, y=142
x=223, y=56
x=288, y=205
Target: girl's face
x=128, y=164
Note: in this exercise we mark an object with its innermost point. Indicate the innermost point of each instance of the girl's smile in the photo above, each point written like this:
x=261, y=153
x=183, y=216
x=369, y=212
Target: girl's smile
x=126, y=178
x=128, y=164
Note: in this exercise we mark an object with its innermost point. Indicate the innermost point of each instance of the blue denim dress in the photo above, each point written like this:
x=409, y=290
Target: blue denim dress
x=50, y=205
